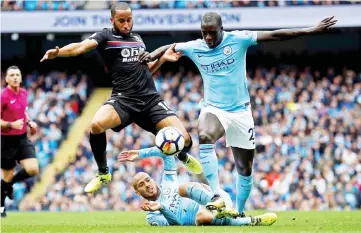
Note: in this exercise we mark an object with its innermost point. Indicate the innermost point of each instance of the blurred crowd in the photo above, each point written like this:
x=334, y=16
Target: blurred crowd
x=54, y=102
x=31, y=5
x=182, y=4
x=308, y=134
x=42, y=5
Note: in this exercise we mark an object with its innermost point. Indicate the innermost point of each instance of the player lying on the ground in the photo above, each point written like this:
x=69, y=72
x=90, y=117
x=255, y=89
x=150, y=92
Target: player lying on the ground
x=221, y=59
x=134, y=96
x=15, y=145
x=175, y=204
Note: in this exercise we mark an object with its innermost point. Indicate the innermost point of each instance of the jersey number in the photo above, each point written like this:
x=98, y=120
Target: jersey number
x=251, y=131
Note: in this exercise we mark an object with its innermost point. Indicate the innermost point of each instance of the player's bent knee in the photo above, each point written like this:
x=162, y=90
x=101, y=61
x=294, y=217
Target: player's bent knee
x=96, y=128
x=7, y=175
x=182, y=190
x=187, y=139
x=32, y=169
x=206, y=138
x=243, y=159
x=243, y=169
x=188, y=144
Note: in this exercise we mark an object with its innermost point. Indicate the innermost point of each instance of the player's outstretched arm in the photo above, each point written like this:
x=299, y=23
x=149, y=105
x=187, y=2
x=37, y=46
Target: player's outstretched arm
x=70, y=50
x=286, y=34
x=170, y=55
x=156, y=54
x=169, y=164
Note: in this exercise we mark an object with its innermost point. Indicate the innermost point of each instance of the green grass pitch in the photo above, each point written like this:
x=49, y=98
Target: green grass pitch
x=293, y=221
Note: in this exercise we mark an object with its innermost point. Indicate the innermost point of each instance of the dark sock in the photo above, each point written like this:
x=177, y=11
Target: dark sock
x=5, y=187
x=20, y=176
x=98, y=143
x=3, y=196
x=183, y=156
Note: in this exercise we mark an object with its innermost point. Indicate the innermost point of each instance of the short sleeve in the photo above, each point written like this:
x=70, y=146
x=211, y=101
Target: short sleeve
x=139, y=39
x=156, y=219
x=99, y=37
x=247, y=38
x=186, y=48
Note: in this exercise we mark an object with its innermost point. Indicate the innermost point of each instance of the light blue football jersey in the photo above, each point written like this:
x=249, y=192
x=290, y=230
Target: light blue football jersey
x=223, y=69
x=180, y=211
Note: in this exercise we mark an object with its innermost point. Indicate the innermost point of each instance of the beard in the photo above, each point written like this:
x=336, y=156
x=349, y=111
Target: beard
x=122, y=34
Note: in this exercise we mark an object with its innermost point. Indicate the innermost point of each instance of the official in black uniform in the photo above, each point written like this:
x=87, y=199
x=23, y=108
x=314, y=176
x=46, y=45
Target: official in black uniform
x=134, y=97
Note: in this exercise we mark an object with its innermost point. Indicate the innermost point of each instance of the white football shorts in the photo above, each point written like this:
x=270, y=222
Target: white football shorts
x=239, y=126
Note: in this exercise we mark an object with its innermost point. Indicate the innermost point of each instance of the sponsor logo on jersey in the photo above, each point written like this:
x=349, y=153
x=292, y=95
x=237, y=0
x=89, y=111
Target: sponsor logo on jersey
x=131, y=54
x=175, y=202
x=227, y=50
x=129, y=50
x=218, y=65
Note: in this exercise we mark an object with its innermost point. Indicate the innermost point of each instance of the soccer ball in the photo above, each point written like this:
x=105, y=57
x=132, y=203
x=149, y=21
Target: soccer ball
x=169, y=140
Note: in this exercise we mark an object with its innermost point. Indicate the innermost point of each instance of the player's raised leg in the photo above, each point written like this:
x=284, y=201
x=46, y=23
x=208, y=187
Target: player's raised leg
x=158, y=117
x=244, y=161
x=210, y=130
x=189, y=161
x=105, y=118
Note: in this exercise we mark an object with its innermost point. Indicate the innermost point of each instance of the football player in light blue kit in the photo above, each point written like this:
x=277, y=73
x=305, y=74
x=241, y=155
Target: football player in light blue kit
x=172, y=203
x=221, y=59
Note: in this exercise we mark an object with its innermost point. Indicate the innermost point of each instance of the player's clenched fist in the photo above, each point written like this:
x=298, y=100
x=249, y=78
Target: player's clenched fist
x=18, y=124
x=33, y=127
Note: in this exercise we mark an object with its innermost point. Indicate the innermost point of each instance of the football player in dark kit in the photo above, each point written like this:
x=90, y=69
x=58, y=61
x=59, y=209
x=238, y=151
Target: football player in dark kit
x=134, y=97
x=15, y=145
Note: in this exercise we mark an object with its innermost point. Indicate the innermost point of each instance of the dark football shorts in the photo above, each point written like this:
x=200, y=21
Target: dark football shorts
x=15, y=148
x=146, y=119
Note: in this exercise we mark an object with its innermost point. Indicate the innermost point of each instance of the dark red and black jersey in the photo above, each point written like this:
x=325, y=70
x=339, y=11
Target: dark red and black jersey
x=132, y=80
